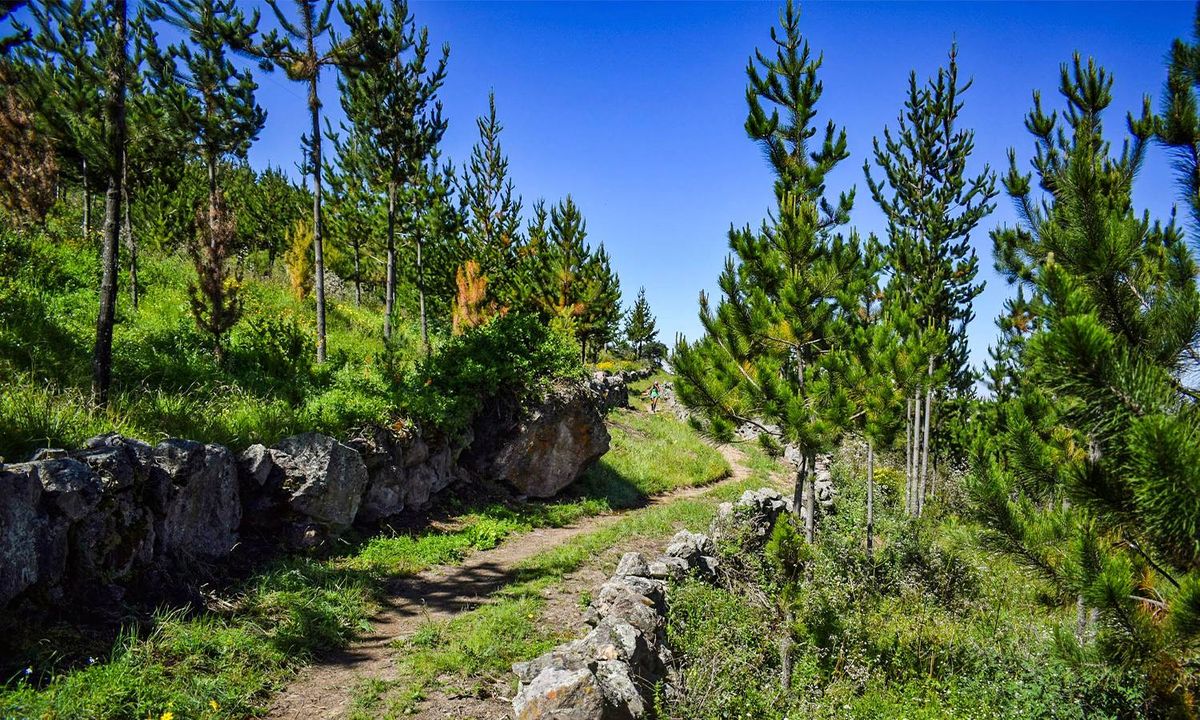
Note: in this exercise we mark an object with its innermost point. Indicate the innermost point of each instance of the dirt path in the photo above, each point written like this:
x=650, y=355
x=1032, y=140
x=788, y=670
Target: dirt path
x=325, y=689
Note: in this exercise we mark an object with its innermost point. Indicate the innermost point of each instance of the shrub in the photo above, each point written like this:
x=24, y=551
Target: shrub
x=516, y=356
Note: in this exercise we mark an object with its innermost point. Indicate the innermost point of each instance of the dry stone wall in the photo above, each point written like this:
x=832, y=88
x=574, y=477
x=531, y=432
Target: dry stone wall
x=120, y=515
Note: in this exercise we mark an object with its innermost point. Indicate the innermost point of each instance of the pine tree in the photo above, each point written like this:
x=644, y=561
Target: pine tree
x=217, y=106
x=301, y=59
x=389, y=94
x=216, y=294
x=86, y=60
x=783, y=290
x=65, y=87
x=355, y=204
x=639, y=325
x=600, y=300
x=1091, y=476
x=562, y=254
x=493, y=231
x=932, y=207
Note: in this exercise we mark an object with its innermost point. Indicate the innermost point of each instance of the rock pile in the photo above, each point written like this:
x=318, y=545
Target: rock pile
x=611, y=672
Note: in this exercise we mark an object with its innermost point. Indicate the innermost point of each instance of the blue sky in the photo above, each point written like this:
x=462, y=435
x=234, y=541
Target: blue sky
x=636, y=109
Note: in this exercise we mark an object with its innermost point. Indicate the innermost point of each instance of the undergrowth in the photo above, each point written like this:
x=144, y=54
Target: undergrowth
x=932, y=626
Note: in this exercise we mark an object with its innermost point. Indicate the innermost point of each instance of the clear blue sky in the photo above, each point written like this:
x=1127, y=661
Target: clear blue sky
x=636, y=109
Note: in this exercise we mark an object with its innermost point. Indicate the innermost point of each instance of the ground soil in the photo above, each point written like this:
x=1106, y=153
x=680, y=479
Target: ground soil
x=324, y=690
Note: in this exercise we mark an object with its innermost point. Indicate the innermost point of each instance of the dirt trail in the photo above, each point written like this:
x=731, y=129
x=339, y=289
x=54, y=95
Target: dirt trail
x=324, y=690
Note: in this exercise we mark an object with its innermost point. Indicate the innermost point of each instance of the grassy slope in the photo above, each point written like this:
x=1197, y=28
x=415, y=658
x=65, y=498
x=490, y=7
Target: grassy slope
x=221, y=663
x=166, y=382
x=936, y=627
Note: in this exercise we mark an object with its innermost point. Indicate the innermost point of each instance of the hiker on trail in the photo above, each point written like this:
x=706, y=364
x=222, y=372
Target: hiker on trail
x=654, y=398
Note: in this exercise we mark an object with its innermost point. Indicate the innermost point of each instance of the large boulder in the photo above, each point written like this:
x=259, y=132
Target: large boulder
x=553, y=444
x=202, y=508
x=304, y=480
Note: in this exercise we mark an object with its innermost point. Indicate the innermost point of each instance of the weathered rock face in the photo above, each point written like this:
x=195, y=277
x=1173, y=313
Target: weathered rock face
x=19, y=526
x=403, y=472
x=304, y=480
x=553, y=445
x=118, y=510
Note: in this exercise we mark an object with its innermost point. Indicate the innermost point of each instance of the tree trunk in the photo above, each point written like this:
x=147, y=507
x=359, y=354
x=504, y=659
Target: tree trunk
x=810, y=522
x=870, y=496
x=910, y=454
x=389, y=293
x=130, y=241
x=314, y=104
x=115, y=110
x=357, y=276
x=925, y=444
x=421, y=296
x=798, y=489
x=785, y=653
x=87, y=205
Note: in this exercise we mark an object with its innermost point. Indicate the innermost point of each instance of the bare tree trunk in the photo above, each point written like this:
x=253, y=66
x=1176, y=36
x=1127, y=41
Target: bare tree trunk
x=785, y=653
x=870, y=496
x=912, y=455
x=810, y=522
x=87, y=205
x=798, y=489
x=421, y=297
x=130, y=241
x=925, y=444
x=115, y=110
x=357, y=276
x=389, y=293
x=314, y=104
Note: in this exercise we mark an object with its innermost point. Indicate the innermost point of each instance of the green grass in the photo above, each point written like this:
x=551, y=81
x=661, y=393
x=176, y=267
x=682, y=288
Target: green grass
x=283, y=615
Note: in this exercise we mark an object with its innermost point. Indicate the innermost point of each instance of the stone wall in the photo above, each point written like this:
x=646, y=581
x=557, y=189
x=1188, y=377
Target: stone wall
x=120, y=515
x=612, y=673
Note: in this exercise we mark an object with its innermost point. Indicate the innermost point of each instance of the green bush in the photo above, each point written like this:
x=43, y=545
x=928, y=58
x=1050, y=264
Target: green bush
x=516, y=356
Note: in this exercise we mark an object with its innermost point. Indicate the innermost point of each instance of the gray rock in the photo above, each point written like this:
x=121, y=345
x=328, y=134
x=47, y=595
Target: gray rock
x=632, y=563
x=690, y=546
x=383, y=455
x=323, y=479
x=69, y=487
x=19, y=526
x=256, y=464
x=668, y=568
x=560, y=695
x=204, y=509
x=554, y=444
x=621, y=696
x=618, y=598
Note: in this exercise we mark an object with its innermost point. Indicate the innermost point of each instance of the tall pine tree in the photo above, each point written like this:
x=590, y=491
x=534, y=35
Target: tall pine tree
x=932, y=206
x=1089, y=476
x=640, y=327
x=784, y=290
x=389, y=93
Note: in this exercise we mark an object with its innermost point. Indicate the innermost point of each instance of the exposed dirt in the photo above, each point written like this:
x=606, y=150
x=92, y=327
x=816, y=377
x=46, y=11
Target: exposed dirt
x=325, y=689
